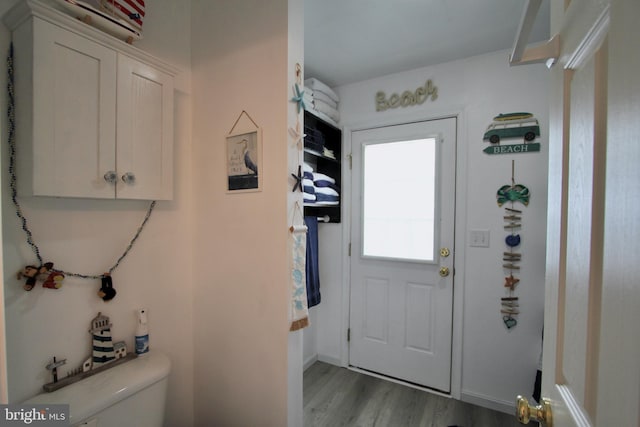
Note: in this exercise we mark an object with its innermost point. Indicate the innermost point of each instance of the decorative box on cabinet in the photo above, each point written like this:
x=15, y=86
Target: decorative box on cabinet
x=331, y=138
x=94, y=116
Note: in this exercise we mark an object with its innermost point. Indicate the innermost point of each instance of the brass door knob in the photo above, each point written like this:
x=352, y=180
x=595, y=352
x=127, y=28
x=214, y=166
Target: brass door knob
x=444, y=271
x=445, y=252
x=540, y=413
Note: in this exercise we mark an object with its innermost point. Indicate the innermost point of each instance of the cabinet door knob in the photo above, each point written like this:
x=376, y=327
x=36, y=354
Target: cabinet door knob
x=128, y=178
x=110, y=177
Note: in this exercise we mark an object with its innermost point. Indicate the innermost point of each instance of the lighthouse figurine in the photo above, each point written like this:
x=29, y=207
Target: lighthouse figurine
x=103, y=351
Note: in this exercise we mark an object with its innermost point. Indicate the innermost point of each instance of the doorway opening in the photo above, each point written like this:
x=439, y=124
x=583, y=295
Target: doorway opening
x=402, y=251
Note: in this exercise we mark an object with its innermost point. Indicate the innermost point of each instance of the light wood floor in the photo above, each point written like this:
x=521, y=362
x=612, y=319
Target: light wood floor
x=335, y=396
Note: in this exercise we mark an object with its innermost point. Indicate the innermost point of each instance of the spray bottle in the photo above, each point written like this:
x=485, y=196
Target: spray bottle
x=142, y=333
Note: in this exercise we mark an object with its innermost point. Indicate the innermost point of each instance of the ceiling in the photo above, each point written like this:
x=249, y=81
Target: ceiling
x=346, y=41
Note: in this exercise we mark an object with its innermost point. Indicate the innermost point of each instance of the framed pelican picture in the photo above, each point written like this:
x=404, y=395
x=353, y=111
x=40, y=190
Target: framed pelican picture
x=244, y=162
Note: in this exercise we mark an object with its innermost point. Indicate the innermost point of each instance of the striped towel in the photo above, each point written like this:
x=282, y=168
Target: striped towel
x=131, y=11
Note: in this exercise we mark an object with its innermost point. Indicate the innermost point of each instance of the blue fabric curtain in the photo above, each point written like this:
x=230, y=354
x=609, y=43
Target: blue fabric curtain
x=313, y=276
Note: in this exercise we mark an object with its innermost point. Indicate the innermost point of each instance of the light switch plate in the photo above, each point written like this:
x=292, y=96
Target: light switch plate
x=479, y=238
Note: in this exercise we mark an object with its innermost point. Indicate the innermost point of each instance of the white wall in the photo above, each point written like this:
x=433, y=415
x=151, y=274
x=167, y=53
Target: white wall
x=241, y=62
x=295, y=357
x=491, y=363
x=228, y=253
x=310, y=347
x=88, y=236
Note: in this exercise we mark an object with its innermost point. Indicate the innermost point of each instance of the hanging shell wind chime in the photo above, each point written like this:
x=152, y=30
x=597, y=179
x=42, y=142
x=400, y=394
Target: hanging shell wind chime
x=510, y=306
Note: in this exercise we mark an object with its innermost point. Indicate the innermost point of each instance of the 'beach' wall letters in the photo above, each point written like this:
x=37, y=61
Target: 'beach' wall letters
x=419, y=96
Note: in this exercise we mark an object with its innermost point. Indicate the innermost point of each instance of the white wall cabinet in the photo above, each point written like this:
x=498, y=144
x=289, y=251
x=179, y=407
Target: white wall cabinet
x=92, y=119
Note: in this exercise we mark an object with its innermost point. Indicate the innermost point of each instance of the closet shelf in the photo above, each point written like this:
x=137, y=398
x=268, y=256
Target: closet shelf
x=320, y=155
x=323, y=136
x=321, y=205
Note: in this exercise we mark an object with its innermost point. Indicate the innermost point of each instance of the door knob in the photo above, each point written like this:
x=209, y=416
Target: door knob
x=128, y=178
x=444, y=271
x=526, y=412
x=110, y=177
x=445, y=252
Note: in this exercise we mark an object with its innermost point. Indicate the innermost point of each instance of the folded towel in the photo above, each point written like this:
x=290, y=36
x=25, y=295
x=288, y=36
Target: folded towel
x=326, y=191
x=306, y=167
x=130, y=11
x=327, y=109
x=308, y=175
x=308, y=187
x=326, y=199
x=321, y=96
x=326, y=184
x=308, y=97
x=308, y=198
x=313, y=139
x=317, y=176
x=317, y=86
x=328, y=153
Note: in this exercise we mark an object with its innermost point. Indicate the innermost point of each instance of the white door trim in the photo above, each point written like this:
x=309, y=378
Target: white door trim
x=460, y=226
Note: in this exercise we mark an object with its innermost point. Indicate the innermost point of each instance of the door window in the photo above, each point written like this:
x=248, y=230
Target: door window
x=399, y=199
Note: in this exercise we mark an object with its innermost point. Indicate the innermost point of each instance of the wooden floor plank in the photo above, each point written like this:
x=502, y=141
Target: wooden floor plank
x=335, y=396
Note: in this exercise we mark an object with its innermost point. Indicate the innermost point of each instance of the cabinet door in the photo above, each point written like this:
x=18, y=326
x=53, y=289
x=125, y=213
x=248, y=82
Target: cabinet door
x=145, y=131
x=74, y=114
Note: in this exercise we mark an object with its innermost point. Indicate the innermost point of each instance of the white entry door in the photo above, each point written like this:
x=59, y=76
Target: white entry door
x=591, y=363
x=402, y=251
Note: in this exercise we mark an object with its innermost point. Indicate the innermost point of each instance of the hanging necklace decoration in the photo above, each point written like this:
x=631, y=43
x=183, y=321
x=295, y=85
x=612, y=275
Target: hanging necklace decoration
x=298, y=137
x=298, y=96
x=299, y=315
x=295, y=133
x=298, y=179
x=52, y=278
x=510, y=306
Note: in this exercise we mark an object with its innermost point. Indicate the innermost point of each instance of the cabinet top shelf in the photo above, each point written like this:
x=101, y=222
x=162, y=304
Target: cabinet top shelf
x=46, y=11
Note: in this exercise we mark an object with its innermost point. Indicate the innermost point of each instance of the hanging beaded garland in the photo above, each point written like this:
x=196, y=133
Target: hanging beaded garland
x=52, y=277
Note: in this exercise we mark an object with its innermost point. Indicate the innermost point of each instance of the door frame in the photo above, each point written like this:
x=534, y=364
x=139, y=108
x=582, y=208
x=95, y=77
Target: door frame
x=459, y=224
x=592, y=25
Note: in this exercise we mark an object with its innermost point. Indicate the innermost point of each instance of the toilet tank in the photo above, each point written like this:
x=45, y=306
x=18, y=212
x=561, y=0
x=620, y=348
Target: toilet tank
x=130, y=394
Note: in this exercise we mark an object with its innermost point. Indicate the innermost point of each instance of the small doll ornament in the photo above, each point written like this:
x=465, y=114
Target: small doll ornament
x=107, y=292
x=53, y=278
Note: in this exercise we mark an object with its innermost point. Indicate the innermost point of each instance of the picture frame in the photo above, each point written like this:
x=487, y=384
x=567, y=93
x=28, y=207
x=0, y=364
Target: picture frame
x=244, y=162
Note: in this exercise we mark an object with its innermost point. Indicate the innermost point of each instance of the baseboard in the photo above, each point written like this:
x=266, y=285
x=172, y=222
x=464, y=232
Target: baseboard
x=488, y=402
x=309, y=361
x=330, y=360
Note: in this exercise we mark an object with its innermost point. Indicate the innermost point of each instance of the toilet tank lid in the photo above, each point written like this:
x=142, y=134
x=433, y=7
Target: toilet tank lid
x=95, y=393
